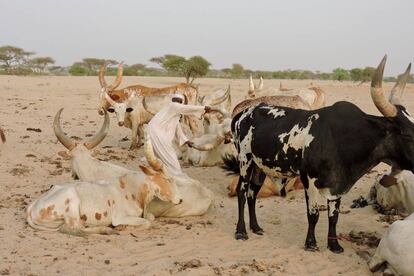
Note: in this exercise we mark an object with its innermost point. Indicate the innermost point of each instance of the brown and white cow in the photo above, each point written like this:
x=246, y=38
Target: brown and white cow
x=82, y=207
x=196, y=198
x=314, y=96
x=127, y=103
x=121, y=95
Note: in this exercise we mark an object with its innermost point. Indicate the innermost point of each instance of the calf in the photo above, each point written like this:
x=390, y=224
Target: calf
x=79, y=208
x=395, y=249
x=329, y=148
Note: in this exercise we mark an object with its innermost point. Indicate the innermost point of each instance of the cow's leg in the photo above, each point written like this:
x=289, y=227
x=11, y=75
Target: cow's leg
x=333, y=213
x=131, y=220
x=313, y=216
x=242, y=187
x=134, y=135
x=253, y=189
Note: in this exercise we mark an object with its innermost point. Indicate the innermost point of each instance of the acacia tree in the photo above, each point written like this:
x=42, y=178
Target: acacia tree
x=39, y=64
x=191, y=68
x=14, y=59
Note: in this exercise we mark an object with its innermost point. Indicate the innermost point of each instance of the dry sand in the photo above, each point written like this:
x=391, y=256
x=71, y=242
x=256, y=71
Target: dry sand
x=188, y=246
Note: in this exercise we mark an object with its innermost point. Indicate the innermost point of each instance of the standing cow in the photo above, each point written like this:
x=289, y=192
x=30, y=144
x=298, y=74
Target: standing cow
x=329, y=148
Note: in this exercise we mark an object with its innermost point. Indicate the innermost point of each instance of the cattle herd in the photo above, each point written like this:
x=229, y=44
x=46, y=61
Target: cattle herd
x=274, y=141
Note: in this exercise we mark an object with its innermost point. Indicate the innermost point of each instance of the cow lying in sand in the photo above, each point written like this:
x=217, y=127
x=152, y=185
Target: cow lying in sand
x=196, y=198
x=396, y=249
x=313, y=96
x=396, y=191
x=79, y=208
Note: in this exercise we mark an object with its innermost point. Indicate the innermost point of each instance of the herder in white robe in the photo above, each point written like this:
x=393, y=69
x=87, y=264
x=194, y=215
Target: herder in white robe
x=165, y=125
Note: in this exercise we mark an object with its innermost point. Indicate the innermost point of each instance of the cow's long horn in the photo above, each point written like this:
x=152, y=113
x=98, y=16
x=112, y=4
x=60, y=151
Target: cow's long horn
x=101, y=76
x=222, y=98
x=398, y=89
x=144, y=104
x=260, y=83
x=149, y=153
x=60, y=135
x=251, y=84
x=384, y=106
x=94, y=141
x=209, y=146
x=118, y=79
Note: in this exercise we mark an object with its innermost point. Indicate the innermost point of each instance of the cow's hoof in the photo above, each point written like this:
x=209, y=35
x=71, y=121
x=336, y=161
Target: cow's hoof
x=335, y=248
x=311, y=247
x=258, y=231
x=241, y=236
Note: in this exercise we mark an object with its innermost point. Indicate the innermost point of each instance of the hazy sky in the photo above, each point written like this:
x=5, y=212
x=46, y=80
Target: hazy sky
x=268, y=35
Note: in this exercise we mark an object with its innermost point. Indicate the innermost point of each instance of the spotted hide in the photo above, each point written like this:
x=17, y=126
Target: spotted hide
x=79, y=208
x=329, y=148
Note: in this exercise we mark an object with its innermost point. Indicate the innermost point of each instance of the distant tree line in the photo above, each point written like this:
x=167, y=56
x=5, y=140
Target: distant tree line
x=17, y=61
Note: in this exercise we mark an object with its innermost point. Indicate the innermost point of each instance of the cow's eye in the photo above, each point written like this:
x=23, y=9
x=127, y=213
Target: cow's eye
x=111, y=110
x=129, y=109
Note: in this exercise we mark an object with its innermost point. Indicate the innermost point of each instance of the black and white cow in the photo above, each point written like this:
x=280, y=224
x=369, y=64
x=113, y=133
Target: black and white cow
x=329, y=148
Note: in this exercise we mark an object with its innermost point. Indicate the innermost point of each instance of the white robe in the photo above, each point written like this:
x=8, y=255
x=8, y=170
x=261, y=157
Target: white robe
x=162, y=129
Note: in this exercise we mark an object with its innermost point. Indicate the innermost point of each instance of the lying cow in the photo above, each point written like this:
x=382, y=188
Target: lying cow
x=328, y=153
x=396, y=249
x=396, y=191
x=313, y=96
x=197, y=198
x=79, y=208
x=208, y=149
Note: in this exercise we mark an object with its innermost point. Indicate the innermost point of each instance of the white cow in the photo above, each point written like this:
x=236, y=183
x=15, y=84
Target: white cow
x=79, y=208
x=396, y=191
x=209, y=148
x=196, y=198
x=396, y=249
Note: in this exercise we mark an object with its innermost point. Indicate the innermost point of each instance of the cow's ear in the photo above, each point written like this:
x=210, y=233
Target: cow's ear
x=64, y=154
x=146, y=170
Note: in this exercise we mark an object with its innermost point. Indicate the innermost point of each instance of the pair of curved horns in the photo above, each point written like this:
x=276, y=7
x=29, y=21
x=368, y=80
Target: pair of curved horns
x=117, y=81
x=252, y=87
x=69, y=144
x=387, y=107
x=222, y=98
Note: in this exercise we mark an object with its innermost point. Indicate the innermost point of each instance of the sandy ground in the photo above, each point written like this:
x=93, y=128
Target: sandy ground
x=187, y=246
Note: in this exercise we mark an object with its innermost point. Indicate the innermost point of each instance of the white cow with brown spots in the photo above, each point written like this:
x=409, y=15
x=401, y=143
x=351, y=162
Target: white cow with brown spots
x=196, y=198
x=79, y=208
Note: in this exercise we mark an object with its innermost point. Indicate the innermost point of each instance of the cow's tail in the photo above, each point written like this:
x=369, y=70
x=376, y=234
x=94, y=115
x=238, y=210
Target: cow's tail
x=231, y=164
